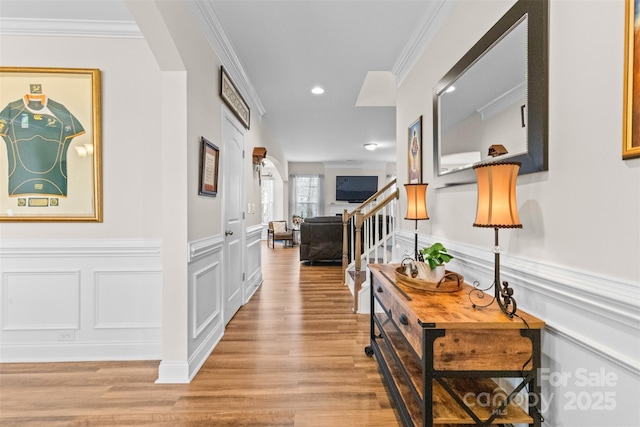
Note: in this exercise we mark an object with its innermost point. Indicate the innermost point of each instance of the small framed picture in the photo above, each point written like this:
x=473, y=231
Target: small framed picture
x=415, y=152
x=209, y=161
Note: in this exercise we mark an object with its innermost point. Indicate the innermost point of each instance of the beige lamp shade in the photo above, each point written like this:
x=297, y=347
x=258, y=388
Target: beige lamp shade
x=497, y=206
x=416, y=201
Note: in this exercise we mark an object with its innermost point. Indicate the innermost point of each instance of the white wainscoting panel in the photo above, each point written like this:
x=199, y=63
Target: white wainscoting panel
x=206, y=325
x=97, y=299
x=128, y=299
x=206, y=297
x=40, y=300
x=253, y=273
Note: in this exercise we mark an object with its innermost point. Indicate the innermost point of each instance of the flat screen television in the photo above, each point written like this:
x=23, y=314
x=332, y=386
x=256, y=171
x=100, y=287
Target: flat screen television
x=355, y=189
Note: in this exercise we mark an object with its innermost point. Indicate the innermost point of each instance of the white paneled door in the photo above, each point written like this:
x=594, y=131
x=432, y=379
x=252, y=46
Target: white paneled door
x=233, y=196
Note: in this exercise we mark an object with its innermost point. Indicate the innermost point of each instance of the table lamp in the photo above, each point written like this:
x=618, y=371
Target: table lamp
x=416, y=208
x=497, y=208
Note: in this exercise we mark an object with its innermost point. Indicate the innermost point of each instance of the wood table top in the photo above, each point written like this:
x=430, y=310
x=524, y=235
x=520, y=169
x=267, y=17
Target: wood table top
x=453, y=310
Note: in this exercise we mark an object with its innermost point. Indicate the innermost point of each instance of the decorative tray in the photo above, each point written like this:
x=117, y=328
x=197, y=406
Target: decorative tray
x=451, y=282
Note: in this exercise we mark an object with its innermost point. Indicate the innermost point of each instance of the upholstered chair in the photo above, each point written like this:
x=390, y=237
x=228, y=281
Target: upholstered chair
x=278, y=230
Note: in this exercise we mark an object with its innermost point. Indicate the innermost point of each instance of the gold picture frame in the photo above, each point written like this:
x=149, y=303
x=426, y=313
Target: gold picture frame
x=631, y=116
x=51, y=163
x=231, y=96
x=415, y=152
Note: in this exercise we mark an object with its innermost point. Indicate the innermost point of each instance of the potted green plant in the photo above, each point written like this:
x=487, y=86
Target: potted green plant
x=434, y=258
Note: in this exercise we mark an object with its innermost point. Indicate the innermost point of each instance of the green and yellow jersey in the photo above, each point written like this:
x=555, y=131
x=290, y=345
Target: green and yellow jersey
x=37, y=132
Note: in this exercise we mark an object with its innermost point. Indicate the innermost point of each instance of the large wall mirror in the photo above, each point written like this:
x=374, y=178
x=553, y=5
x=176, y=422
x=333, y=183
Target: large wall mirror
x=495, y=99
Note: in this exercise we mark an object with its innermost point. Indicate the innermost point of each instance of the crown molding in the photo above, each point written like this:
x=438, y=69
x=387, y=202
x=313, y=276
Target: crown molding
x=208, y=21
x=504, y=101
x=432, y=19
x=69, y=28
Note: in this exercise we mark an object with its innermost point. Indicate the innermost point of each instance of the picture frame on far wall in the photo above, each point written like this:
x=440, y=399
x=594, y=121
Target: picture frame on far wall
x=231, y=96
x=51, y=162
x=415, y=152
x=631, y=107
x=209, y=162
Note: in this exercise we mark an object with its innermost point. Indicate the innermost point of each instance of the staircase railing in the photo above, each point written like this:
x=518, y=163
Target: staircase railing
x=369, y=235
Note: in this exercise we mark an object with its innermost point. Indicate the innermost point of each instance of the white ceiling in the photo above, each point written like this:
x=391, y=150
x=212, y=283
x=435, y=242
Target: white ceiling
x=285, y=48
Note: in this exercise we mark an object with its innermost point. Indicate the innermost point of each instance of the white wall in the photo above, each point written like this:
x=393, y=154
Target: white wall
x=575, y=262
x=130, y=136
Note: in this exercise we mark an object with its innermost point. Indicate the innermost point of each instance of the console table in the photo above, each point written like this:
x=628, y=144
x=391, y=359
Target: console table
x=440, y=357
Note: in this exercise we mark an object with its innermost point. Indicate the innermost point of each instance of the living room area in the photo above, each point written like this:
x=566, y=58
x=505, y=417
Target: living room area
x=317, y=195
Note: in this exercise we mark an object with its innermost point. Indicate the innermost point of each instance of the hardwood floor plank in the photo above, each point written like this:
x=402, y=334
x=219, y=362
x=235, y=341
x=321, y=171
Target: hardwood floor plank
x=293, y=356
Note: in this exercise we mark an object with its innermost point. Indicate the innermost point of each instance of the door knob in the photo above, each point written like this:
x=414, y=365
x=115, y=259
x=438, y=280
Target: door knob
x=228, y=233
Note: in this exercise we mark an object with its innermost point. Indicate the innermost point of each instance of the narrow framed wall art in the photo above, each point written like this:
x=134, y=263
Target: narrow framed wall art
x=415, y=152
x=231, y=96
x=51, y=163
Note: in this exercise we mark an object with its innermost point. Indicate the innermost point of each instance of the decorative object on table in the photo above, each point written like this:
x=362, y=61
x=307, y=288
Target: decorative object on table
x=415, y=152
x=416, y=208
x=209, y=161
x=231, y=96
x=50, y=121
x=409, y=272
x=434, y=258
x=497, y=208
x=631, y=127
x=497, y=150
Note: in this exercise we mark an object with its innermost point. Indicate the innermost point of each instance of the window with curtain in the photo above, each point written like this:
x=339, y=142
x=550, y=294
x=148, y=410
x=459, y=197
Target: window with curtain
x=306, y=195
x=267, y=200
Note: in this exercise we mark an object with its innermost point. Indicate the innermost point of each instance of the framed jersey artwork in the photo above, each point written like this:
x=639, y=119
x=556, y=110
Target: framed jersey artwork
x=51, y=162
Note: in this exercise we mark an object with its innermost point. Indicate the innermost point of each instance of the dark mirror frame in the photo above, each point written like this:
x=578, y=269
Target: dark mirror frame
x=536, y=158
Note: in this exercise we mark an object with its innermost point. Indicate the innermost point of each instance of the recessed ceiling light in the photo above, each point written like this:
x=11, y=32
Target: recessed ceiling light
x=317, y=90
x=370, y=146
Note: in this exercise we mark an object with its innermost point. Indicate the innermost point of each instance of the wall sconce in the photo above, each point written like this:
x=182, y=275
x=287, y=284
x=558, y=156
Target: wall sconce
x=259, y=153
x=497, y=208
x=416, y=208
x=84, y=150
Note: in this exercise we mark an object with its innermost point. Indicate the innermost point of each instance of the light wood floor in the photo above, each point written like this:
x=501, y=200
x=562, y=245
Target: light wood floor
x=293, y=356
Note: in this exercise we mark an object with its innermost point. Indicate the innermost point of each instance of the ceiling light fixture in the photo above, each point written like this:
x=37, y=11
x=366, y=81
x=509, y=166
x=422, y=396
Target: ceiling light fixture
x=370, y=146
x=317, y=90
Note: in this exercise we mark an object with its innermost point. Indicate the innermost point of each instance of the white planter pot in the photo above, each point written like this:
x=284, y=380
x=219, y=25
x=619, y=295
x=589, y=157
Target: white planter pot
x=428, y=275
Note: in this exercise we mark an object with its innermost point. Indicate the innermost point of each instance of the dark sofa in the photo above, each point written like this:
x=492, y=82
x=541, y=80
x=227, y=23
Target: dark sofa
x=321, y=239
